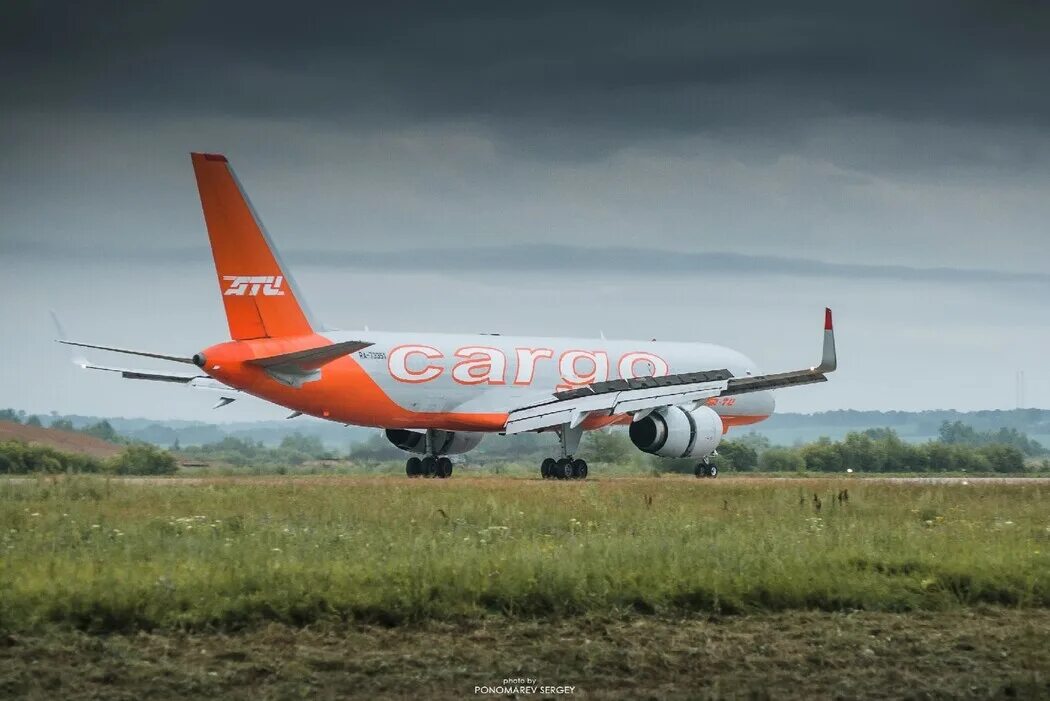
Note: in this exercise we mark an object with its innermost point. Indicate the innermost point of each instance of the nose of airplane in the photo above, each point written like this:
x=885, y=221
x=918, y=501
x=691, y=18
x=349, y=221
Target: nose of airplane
x=767, y=402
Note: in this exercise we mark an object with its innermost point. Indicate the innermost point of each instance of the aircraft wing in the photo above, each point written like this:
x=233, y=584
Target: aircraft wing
x=640, y=396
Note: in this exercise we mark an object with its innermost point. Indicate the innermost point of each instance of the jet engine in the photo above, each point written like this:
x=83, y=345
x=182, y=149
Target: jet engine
x=445, y=442
x=674, y=432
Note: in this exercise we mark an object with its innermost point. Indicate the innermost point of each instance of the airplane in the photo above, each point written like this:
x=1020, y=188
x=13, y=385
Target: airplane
x=439, y=394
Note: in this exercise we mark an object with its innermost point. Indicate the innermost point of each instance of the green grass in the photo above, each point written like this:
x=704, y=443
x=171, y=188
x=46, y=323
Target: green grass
x=105, y=556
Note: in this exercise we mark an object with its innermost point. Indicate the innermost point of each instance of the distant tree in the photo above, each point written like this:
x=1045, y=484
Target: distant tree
x=62, y=425
x=608, y=446
x=822, y=456
x=10, y=415
x=377, y=447
x=736, y=455
x=781, y=460
x=143, y=459
x=33, y=420
x=102, y=430
x=956, y=432
x=756, y=441
x=311, y=446
x=1003, y=458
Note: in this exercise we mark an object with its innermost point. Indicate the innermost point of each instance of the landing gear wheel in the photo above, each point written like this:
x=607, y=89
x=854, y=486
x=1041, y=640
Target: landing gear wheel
x=413, y=468
x=547, y=468
x=705, y=469
x=444, y=467
x=429, y=466
x=563, y=469
x=579, y=469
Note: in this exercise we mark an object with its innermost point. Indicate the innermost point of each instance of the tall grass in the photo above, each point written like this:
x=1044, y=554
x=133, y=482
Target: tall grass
x=101, y=555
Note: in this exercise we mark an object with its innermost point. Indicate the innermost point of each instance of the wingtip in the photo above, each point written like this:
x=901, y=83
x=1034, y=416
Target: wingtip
x=200, y=156
x=827, y=319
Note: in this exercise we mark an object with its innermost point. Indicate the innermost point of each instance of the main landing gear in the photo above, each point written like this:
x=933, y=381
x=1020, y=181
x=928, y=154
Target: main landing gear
x=430, y=466
x=705, y=469
x=566, y=468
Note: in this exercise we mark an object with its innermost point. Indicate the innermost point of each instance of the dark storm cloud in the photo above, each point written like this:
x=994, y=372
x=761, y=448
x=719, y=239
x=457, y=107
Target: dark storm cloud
x=576, y=77
x=578, y=261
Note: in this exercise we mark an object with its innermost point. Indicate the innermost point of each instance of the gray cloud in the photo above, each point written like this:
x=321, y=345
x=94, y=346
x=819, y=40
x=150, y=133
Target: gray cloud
x=567, y=79
x=552, y=259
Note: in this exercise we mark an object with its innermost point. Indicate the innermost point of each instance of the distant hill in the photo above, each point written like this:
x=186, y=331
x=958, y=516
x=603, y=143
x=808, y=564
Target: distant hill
x=66, y=441
x=165, y=433
x=915, y=426
x=781, y=429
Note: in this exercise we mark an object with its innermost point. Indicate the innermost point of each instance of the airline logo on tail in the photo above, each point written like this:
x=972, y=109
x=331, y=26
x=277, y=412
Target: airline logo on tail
x=252, y=285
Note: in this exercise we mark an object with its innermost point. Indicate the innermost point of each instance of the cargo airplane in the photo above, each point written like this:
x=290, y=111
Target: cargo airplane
x=438, y=394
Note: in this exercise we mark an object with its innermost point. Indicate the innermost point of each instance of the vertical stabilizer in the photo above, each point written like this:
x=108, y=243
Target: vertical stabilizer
x=260, y=297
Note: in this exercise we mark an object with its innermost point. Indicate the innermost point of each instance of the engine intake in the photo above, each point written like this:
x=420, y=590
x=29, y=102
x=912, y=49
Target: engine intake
x=673, y=432
x=445, y=442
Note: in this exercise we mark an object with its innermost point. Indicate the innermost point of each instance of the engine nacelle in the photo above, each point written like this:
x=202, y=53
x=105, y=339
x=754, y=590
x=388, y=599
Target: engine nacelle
x=445, y=442
x=673, y=432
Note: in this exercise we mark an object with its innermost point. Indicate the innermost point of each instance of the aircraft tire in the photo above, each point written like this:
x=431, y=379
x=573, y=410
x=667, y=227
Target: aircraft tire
x=699, y=470
x=547, y=468
x=444, y=468
x=413, y=467
x=563, y=469
x=579, y=469
x=712, y=471
x=429, y=466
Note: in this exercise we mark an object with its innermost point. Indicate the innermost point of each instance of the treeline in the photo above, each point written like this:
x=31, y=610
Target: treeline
x=101, y=429
x=958, y=433
x=874, y=450
x=20, y=458
x=294, y=451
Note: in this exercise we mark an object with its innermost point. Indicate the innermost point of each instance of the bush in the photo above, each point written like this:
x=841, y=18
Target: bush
x=737, y=456
x=20, y=458
x=781, y=460
x=143, y=459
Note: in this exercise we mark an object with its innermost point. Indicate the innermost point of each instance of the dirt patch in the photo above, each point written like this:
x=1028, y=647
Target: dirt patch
x=65, y=441
x=993, y=653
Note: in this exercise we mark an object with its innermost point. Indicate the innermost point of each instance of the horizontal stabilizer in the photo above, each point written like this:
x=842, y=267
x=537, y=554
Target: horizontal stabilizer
x=309, y=359
x=130, y=374
x=144, y=354
x=296, y=368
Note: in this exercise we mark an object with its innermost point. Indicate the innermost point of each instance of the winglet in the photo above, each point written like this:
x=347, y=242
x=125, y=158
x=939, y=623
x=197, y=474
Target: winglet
x=78, y=358
x=829, y=359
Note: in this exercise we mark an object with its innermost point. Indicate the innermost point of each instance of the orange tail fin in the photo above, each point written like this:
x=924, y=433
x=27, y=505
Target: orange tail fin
x=260, y=296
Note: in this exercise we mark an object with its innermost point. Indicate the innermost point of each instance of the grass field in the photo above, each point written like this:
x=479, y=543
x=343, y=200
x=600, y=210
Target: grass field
x=104, y=556
x=225, y=559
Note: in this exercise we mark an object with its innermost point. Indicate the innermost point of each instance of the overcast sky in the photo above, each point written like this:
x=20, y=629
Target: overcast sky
x=706, y=171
